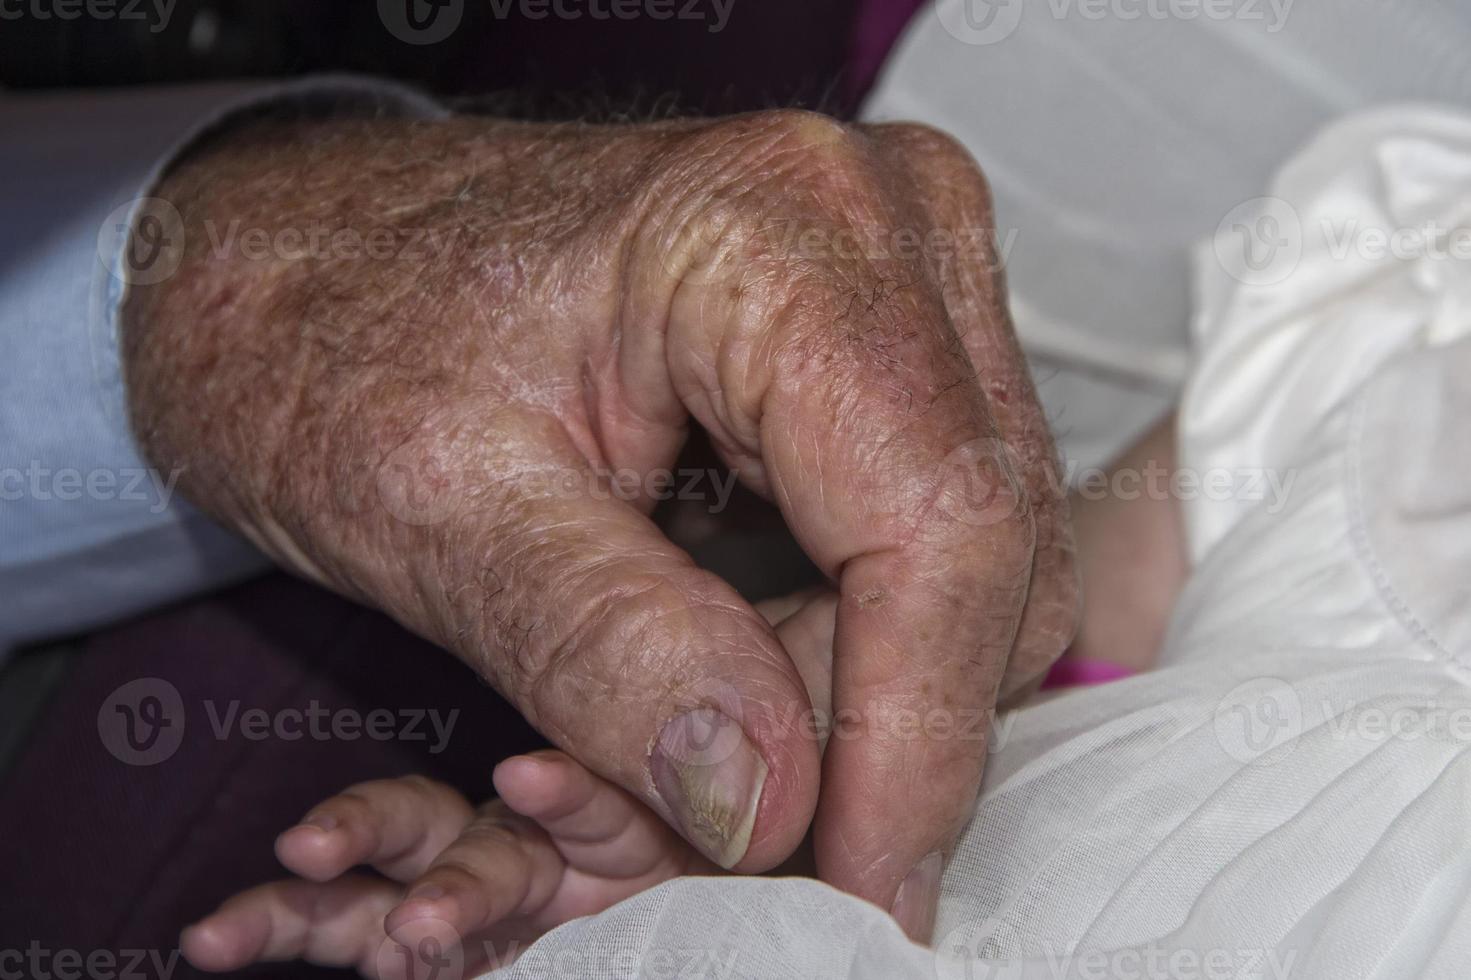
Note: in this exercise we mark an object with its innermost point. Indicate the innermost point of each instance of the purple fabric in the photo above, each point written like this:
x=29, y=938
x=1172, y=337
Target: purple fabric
x=770, y=53
x=880, y=23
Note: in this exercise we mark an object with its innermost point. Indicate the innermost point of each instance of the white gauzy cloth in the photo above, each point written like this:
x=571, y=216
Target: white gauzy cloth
x=1289, y=795
x=1116, y=133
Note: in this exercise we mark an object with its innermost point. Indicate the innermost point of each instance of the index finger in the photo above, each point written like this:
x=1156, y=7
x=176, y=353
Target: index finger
x=838, y=383
x=953, y=197
x=913, y=508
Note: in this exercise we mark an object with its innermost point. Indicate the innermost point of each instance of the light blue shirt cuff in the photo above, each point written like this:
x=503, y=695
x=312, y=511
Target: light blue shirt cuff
x=89, y=532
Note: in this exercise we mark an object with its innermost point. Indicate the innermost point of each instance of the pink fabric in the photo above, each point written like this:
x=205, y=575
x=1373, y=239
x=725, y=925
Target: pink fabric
x=1078, y=672
x=880, y=22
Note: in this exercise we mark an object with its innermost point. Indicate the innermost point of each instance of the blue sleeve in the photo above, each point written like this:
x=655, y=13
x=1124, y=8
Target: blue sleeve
x=89, y=533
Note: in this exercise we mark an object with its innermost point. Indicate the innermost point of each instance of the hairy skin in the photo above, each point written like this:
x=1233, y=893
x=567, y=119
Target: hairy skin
x=429, y=431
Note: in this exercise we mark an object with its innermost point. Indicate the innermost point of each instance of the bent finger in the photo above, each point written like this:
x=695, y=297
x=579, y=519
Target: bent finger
x=597, y=827
x=395, y=825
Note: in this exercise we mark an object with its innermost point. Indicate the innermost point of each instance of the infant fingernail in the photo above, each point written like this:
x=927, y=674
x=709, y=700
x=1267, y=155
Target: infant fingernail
x=711, y=776
x=425, y=893
x=918, y=899
x=321, y=821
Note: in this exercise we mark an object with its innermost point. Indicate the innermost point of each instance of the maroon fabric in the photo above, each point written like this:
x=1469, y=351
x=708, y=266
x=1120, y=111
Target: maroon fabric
x=880, y=23
x=769, y=53
x=100, y=854
x=819, y=54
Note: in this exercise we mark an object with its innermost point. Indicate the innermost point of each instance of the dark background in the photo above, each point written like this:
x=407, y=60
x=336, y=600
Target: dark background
x=769, y=53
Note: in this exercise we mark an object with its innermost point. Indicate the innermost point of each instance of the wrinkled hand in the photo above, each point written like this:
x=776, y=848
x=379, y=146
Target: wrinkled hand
x=442, y=427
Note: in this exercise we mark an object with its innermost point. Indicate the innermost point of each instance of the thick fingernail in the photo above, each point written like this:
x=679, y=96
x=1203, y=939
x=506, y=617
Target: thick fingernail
x=711, y=776
x=918, y=899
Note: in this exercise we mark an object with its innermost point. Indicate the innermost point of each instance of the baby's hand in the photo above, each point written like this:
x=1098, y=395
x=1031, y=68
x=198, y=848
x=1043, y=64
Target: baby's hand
x=559, y=843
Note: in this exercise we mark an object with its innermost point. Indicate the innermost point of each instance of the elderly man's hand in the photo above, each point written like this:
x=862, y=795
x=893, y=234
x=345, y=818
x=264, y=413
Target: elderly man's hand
x=405, y=358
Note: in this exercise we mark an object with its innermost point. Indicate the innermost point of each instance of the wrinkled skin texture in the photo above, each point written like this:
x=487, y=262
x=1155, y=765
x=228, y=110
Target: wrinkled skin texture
x=426, y=432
